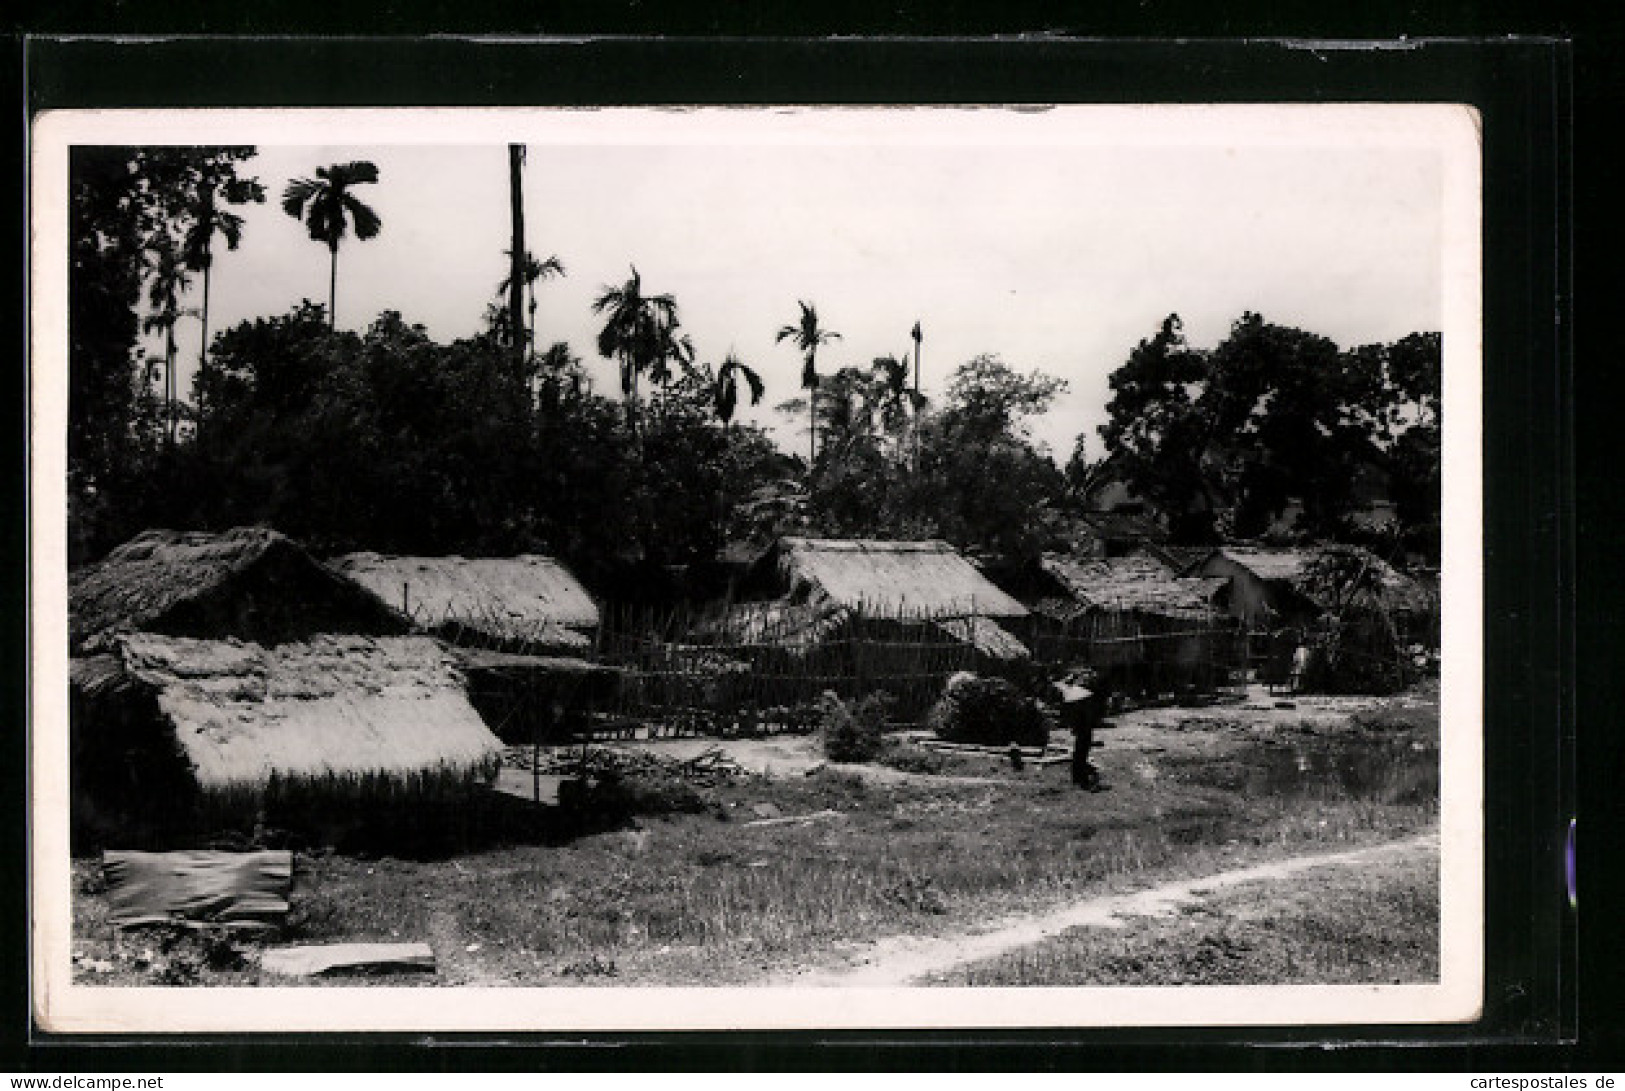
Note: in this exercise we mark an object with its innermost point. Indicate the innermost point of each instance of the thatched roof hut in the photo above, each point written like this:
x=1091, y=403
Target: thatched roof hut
x=1270, y=585
x=1115, y=533
x=251, y=583
x=174, y=730
x=527, y=603
x=889, y=579
x=1136, y=583
x=872, y=610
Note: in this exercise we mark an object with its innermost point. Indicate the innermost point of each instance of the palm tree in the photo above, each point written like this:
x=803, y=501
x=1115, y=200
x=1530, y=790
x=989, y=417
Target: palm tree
x=329, y=210
x=639, y=332
x=530, y=271
x=209, y=219
x=890, y=391
x=918, y=401
x=807, y=337
x=725, y=393
x=169, y=281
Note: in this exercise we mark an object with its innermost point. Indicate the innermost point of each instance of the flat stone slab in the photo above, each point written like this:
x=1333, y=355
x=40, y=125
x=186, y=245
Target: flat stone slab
x=348, y=958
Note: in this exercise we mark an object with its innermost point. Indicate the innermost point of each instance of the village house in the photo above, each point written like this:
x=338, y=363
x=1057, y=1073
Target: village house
x=916, y=611
x=524, y=604
x=521, y=629
x=1284, y=595
x=251, y=583
x=1143, y=627
x=175, y=734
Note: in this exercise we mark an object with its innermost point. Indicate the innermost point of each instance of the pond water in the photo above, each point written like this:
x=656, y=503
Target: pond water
x=1389, y=770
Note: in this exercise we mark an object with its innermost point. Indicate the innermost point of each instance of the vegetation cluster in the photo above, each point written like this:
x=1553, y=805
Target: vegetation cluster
x=498, y=443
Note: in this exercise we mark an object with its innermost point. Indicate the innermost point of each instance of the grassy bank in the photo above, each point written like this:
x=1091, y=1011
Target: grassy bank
x=1331, y=927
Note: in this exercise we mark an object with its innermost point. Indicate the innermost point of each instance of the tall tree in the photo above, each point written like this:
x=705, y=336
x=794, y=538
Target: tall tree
x=1229, y=440
x=726, y=390
x=529, y=271
x=891, y=397
x=329, y=211
x=808, y=335
x=125, y=203
x=638, y=332
x=169, y=280
x=918, y=399
x=210, y=219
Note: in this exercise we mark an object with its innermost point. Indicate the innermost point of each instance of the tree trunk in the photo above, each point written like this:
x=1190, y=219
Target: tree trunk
x=916, y=405
x=203, y=348
x=169, y=374
x=516, y=273
x=333, y=289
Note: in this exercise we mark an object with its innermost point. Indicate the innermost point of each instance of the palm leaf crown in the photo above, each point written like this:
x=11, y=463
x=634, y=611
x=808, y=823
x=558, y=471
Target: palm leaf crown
x=807, y=337
x=327, y=206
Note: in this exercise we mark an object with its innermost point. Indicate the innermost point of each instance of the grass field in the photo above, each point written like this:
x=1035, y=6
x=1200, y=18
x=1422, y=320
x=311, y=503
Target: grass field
x=1329, y=927
x=705, y=898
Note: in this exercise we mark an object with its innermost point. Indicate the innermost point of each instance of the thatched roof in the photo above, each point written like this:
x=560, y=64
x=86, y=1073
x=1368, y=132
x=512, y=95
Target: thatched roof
x=926, y=579
x=1180, y=560
x=527, y=599
x=986, y=636
x=1122, y=526
x=1135, y=582
x=338, y=706
x=1294, y=568
x=777, y=624
x=250, y=582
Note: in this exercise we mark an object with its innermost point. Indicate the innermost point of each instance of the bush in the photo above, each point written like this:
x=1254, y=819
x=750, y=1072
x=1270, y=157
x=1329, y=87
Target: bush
x=989, y=712
x=853, y=736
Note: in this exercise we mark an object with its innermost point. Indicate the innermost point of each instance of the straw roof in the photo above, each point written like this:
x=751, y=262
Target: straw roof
x=336, y=706
x=1136, y=582
x=898, y=578
x=779, y=624
x=529, y=598
x=1293, y=567
x=986, y=636
x=1122, y=526
x=1180, y=560
x=249, y=582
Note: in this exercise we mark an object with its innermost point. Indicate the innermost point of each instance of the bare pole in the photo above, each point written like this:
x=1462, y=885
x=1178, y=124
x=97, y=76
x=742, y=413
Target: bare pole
x=516, y=273
x=917, y=339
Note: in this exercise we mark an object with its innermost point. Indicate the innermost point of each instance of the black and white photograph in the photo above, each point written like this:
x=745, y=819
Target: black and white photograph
x=766, y=567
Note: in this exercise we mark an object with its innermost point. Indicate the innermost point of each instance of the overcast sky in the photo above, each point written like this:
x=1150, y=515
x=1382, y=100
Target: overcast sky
x=1056, y=240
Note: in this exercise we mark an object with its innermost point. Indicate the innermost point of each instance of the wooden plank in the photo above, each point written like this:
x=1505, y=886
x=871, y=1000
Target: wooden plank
x=348, y=958
x=812, y=817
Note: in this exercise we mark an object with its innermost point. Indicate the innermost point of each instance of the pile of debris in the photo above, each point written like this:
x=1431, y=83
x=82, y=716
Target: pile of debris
x=707, y=768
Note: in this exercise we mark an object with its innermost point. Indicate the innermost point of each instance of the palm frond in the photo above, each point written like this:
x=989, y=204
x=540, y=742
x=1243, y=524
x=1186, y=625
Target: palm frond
x=355, y=172
x=231, y=227
x=364, y=219
x=754, y=381
x=299, y=193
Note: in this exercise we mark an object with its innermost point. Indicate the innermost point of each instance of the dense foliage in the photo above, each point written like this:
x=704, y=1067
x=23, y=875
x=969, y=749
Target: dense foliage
x=1224, y=442
x=989, y=712
x=388, y=440
x=139, y=219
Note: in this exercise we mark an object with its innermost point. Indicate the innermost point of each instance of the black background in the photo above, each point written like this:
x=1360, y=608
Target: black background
x=1550, y=636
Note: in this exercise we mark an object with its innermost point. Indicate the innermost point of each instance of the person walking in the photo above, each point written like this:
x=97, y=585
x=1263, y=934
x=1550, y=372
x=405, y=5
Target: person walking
x=1083, y=708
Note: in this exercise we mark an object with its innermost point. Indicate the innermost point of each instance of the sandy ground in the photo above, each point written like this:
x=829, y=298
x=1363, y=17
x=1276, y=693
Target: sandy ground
x=901, y=960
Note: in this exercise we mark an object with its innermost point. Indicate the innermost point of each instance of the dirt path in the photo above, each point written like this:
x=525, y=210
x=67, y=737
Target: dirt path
x=899, y=960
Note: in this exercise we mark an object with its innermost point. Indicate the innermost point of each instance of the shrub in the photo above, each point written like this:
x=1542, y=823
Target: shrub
x=988, y=711
x=850, y=736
